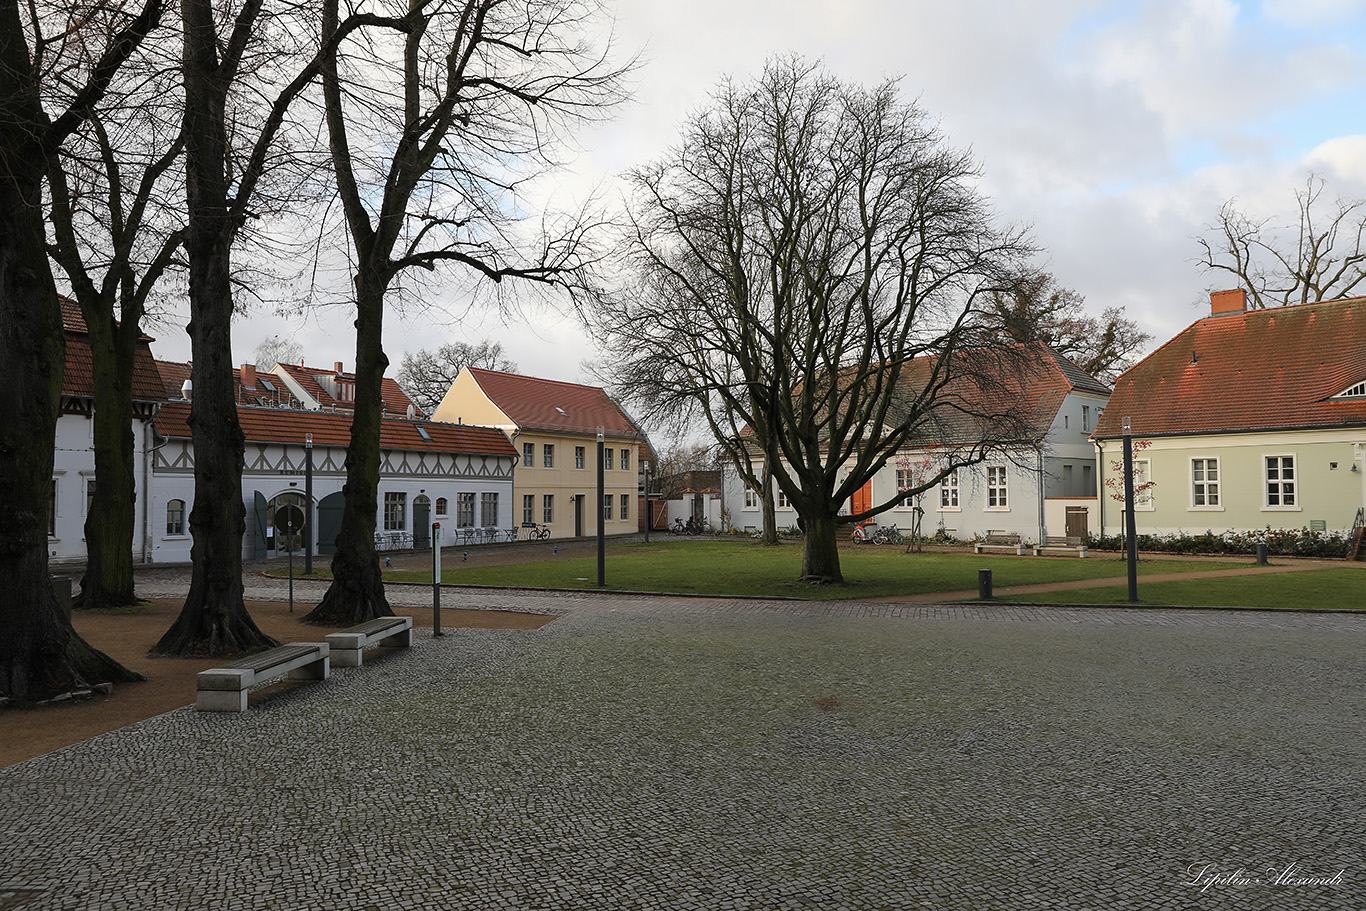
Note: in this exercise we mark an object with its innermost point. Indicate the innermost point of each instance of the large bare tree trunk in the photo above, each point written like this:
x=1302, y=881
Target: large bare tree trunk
x=767, y=507
x=40, y=654
x=820, y=549
x=108, y=579
x=214, y=619
x=357, y=590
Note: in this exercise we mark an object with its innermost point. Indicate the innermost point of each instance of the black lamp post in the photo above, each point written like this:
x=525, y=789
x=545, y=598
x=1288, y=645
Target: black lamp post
x=1130, y=525
x=602, y=518
x=308, y=504
x=649, y=517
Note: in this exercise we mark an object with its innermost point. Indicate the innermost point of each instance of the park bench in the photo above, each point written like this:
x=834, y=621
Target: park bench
x=348, y=645
x=224, y=689
x=999, y=540
x=1063, y=544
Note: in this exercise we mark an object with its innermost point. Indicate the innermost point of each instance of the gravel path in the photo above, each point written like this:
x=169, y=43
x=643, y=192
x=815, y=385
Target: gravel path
x=660, y=753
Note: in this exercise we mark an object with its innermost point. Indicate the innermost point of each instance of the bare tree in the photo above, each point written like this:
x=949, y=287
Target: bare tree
x=808, y=264
x=231, y=60
x=40, y=653
x=116, y=231
x=1037, y=309
x=483, y=89
x=276, y=350
x=427, y=375
x=1321, y=258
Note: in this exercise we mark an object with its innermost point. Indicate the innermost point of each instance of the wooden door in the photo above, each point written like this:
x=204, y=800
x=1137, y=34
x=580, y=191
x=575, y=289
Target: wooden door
x=862, y=499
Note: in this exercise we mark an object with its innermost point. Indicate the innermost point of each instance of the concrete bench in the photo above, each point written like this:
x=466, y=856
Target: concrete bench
x=994, y=540
x=224, y=689
x=348, y=645
x=1063, y=544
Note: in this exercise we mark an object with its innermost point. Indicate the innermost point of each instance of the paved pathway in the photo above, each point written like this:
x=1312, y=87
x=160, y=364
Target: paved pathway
x=661, y=753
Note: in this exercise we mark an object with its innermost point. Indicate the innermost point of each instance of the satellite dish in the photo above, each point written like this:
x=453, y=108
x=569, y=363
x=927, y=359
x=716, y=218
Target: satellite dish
x=185, y=389
x=412, y=411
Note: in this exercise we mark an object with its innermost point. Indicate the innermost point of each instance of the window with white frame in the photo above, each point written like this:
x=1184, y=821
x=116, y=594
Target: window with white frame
x=1280, y=482
x=948, y=491
x=578, y=456
x=464, y=510
x=529, y=455
x=548, y=509
x=528, y=509
x=548, y=455
x=904, y=480
x=395, y=511
x=1143, y=496
x=608, y=457
x=441, y=506
x=89, y=494
x=626, y=460
x=1205, y=483
x=781, y=499
x=488, y=509
x=1085, y=418
x=52, y=511
x=996, y=487
x=607, y=506
x=175, y=518
x=625, y=506
x=751, y=499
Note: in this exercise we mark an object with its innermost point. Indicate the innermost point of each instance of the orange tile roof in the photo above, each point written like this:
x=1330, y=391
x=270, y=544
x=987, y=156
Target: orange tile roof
x=395, y=400
x=78, y=376
x=282, y=425
x=174, y=374
x=1261, y=370
x=552, y=405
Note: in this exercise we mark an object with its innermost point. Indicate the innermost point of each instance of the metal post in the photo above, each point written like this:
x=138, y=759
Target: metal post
x=436, y=579
x=602, y=518
x=649, y=517
x=308, y=504
x=1130, y=525
x=984, y=585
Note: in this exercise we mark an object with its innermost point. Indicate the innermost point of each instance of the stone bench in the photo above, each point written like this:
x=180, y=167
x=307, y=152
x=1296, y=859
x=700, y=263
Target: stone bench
x=224, y=689
x=1056, y=544
x=348, y=645
x=994, y=540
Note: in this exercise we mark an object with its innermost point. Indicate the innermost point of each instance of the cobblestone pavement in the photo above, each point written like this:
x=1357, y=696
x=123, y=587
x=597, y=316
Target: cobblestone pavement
x=660, y=753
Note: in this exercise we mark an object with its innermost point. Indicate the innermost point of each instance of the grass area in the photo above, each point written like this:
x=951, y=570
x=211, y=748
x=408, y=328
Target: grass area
x=748, y=568
x=1340, y=587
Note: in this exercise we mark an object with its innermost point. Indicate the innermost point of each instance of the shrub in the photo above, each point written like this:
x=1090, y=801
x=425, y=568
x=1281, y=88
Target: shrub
x=1284, y=542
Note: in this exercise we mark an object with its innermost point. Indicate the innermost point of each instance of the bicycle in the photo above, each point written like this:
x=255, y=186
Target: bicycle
x=889, y=535
x=537, y=532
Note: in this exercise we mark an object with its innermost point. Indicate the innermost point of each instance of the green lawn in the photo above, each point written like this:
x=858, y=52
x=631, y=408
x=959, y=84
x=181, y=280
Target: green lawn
x=1341, y=587
x=745, y=567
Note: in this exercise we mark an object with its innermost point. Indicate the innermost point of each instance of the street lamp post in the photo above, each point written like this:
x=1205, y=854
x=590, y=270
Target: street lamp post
x=602, y=518
x=308, y=504
x=1130, y=525
x=649, y=517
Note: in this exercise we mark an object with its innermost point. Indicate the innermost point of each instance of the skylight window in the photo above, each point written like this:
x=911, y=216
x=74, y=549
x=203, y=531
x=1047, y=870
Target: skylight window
x=561, y=411
x=422, y=431
x=265, y=382
x=1356, y=391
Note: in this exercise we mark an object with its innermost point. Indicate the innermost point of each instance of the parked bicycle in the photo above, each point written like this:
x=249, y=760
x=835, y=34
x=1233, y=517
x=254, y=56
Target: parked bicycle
x=888, y=535
x=537, y=532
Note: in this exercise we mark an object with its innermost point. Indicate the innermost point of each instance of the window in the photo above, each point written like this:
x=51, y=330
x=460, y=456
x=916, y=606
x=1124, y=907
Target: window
x=751, y=499
x=548, y=509
x=175, y=517
x=1358, y=389
x=441, y=506
x=996, y=487
x=1280, y=482
x=528, y=509
x=607, y=456
x=89, y=494
x=395, y=511
x=948, y=491
x=578, y=456
x=781, y=499
x=1143, y=499
x=625, y=506
x=607, y=506
x=1205, y=483
x=904, y=481
x=52, y=511
x=1085, y=418
x=464, y=510
x=529, y=455
x=626, y=460
x=488, y=509
x=548, y=455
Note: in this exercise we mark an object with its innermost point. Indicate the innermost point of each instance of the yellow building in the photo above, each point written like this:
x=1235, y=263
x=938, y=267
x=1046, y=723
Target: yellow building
x=554, y=426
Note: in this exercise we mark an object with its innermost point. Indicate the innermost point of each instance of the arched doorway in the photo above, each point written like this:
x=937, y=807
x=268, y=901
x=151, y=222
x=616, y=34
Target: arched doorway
x=276, y=543
x=422, y=521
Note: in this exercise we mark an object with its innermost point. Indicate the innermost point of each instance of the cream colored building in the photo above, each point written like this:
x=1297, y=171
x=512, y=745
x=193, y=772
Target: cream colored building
x=554, y=427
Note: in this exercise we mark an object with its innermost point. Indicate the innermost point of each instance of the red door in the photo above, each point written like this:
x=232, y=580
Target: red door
x=862, y=499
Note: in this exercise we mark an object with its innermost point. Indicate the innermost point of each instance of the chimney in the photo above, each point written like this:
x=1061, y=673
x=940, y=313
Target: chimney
x=338, y=366
x=249, y=376
x=185, y=389
x=1225, y=302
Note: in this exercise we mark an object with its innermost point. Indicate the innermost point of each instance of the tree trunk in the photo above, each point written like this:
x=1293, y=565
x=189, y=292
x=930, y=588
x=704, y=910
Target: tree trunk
x=40, y=654
x=357, y=590
x=820, y=550
x=214, y=620
x=766, y=505
x=108, y=579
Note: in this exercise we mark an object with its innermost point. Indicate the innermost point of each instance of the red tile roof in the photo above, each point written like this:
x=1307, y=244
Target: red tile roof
x=1262, y=370
x=174, y=374
x=78, y=377
x=552, y=405
x=281, y=425
x=395, y=400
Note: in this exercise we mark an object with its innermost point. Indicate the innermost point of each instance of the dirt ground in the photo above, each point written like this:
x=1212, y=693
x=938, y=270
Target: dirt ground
x=170, y=684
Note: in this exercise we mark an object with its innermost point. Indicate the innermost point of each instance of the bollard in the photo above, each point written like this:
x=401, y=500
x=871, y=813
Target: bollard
x=984, y=585
x=1261, y=553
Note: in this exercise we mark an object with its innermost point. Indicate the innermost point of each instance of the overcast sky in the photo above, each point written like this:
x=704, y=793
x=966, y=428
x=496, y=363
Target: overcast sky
x=1114, y=129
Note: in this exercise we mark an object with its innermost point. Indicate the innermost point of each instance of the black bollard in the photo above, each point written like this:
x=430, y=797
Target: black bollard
x=984, y=585
x=1261, y=553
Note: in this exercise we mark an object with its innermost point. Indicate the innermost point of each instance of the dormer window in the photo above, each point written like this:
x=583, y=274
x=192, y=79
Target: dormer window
x=1357, y=391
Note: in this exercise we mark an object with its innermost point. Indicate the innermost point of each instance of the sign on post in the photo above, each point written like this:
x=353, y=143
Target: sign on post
x=288, y=521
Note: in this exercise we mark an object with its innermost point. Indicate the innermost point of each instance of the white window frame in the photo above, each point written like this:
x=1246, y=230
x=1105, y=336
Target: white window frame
x=548, y=509
x=998, y=489
x=607, y=507
x=548, y=455
x=950, y=495
x=609, y=456
x=180, y=524
x=626, y=460
x=395, y=510
x=904, y=478
x=1280, y=483
x=488, y=508
x=751, y=498
x=780, y=500
x=528, y=509
x=528, y=455
x=1143, y=473
x=625, y=507
x=1204, y=486
x=578, y=457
